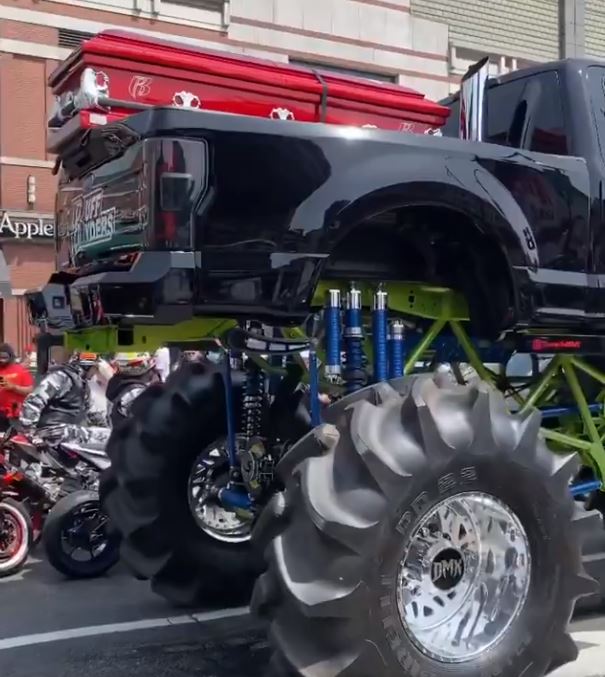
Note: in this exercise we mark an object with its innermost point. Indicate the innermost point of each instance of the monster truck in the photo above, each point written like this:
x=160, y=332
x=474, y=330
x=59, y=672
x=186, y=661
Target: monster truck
x=415, y=525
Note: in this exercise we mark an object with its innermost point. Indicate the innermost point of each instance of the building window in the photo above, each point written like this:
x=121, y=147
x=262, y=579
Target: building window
x=207, y=13
x=200, y=4
x=366, y=75
x=72, y=39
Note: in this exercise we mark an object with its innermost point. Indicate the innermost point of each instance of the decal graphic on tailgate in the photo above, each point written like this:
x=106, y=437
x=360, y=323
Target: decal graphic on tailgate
x=90, y=223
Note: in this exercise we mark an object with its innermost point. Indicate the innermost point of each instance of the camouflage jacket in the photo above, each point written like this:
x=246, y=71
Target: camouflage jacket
x=61, y=398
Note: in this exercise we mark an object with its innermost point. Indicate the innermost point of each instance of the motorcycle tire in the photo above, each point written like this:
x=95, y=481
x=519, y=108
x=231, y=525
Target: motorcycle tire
x=22, y=524
x=402, y=518
x=145, y=492
x=58, y=519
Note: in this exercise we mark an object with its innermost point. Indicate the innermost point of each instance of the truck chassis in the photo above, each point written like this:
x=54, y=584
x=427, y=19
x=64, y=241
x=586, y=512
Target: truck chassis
x=429, y=327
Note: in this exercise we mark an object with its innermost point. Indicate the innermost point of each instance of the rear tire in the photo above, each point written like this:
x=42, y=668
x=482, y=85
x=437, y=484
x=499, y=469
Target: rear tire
x=145, y=493
x=21, y=530
x=59, y=519
x=350, y=550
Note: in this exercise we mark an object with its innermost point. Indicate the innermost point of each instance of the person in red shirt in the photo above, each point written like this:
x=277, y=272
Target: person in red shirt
x=16, y=383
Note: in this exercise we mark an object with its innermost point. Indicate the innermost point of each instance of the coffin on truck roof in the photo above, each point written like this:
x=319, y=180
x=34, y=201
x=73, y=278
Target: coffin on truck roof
x=116, y=73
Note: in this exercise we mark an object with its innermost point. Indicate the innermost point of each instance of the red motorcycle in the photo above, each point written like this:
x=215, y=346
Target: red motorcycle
x=16, y=530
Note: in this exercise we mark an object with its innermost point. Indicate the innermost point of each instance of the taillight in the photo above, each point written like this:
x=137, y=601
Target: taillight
x=178, y=168
x=166, y=218
x=174, y=187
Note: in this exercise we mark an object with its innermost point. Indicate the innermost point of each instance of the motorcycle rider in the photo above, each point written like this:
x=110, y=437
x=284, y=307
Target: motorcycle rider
x=134, y=373
x=57, y=410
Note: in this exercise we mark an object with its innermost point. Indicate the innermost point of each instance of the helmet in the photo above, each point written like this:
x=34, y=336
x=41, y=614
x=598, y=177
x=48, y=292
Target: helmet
x=84, y=360
x=133, y=364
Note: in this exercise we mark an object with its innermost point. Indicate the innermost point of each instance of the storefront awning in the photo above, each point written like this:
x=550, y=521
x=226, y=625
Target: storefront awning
x=6, y=290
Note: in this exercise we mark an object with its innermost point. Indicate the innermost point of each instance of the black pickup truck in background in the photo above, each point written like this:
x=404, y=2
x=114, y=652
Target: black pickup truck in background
x=175, y=213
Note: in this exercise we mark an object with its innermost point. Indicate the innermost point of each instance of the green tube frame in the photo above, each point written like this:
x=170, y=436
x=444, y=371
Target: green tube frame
x=442, y=307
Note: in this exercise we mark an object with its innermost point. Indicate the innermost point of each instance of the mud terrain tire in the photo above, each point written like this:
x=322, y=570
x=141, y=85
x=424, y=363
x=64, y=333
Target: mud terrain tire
x=145, y=492
x=358, y=491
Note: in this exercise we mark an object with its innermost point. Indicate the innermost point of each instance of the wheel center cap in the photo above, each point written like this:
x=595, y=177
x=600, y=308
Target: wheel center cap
x=447, y=569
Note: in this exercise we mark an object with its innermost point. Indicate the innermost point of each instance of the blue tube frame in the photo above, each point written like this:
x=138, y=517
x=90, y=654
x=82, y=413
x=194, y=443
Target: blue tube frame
x=231, y=433
x=314, y=388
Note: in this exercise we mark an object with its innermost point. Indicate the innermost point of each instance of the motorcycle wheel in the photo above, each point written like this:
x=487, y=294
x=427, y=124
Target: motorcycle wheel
x=159, y=456
x=76, y=525
x=431, y=533
x=15, y=536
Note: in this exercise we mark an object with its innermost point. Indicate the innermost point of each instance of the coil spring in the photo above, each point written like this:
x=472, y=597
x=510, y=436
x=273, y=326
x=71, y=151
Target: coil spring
x=252, y=406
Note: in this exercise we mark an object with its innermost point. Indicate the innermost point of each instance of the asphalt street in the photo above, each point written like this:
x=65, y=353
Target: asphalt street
x=115, y=627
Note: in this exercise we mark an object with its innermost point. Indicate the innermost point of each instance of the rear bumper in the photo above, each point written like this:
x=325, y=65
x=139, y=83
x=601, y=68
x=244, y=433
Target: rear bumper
x=158, y=287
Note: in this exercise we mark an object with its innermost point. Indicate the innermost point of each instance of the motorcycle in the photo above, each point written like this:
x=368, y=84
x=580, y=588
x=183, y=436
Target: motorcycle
x=15, y=529
x=58, y=485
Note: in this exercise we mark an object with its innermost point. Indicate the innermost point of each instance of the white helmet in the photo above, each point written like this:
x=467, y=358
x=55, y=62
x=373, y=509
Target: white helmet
x=133, y=364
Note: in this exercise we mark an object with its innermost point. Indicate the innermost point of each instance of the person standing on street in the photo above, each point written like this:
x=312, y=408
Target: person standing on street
x=16, y=383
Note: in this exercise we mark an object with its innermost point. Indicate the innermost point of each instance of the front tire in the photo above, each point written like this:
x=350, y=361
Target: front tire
x=427, y=534
x=147, y=493
x=15, y=536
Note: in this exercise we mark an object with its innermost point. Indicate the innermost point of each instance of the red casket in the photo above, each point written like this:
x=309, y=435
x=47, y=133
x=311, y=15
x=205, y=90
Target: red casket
x=115, y=73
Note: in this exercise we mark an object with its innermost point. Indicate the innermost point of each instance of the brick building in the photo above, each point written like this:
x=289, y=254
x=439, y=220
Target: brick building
x=424, y=44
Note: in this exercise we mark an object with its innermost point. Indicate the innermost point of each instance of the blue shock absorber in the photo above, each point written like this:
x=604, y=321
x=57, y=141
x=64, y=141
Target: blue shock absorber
x=332, y=334
x=252, y=406
x=354, y=375
x=380, y=335
x=396, y=349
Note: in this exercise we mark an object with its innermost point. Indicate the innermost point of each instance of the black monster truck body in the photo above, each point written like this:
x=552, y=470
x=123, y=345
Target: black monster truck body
x=359, y=508
x=176, y=213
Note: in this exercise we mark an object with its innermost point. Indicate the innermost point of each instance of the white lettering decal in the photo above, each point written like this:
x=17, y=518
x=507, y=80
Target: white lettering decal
x=90, y=223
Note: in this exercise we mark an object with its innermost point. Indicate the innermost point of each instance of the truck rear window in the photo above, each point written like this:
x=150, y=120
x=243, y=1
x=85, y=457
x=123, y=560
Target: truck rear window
x=596, y=87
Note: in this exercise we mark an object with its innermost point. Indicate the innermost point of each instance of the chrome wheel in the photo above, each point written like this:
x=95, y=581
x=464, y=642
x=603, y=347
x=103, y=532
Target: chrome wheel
x=465, y=577
x=84, y=535
x=210, y=471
